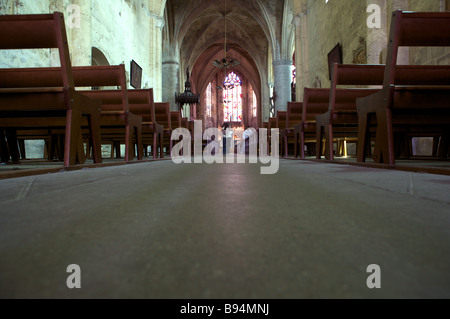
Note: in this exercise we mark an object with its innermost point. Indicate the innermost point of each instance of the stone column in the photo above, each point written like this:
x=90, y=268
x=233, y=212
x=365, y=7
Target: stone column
x=155, y=55
x=301, y=53
x=170, y=82
x=282, y=74
x=81, y=30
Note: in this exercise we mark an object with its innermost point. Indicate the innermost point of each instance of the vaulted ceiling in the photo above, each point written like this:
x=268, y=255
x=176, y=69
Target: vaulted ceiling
x=195, y=32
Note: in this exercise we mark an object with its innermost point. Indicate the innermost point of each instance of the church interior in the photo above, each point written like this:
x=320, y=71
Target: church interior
x=226, y=149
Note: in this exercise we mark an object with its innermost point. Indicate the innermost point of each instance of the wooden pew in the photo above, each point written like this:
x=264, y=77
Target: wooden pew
x=164, y=118
x=293, y=117
x=116, y=121
x=28, y=103
x=142, y=104
x=413, y=97
x=8, y=145
x=315, y=102
x=341, y=119
x=115, y=115
x=175, y=118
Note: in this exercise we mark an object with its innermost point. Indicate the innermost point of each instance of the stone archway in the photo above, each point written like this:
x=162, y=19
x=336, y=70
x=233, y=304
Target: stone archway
x=98, y=58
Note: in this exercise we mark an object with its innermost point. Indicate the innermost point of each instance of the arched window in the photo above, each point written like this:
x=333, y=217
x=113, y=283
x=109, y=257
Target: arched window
x=232, y=98
x=254, y=105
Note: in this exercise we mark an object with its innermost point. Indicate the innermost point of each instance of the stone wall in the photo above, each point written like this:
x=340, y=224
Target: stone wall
x=26, y=58
x=345, y=22
x=121, y=32
x=421, y=55
x=120, y=29
x=338, y=21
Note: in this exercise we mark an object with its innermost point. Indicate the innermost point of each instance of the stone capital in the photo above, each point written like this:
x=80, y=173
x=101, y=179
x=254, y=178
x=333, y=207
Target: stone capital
x=159, y=20
x=171, y=62
x=282, y=62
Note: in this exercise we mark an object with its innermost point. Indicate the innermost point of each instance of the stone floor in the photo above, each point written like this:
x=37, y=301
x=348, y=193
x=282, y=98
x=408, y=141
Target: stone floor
x=159, y=230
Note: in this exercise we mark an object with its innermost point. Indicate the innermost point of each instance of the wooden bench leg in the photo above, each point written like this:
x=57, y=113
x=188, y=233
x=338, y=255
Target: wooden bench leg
x=95, y=135
x=81, y=154
x=23, y=154
x=319, y=136
x=154, y=145
x=4, y=152
x=46, y=145
x=73, y=133
x=140, y=146
x=436, y=140
x=51, y=147
x=113, y=145
x=384, y=141
x=296, y=140
x=302, y=145
x=60, y=147
x=13, y=145
x=444, y=145
x=88, y=148
x=329, y=154
x=129, y=154
x=285, y=146
x=363, y=136
x=116, y=147
x=161, y=145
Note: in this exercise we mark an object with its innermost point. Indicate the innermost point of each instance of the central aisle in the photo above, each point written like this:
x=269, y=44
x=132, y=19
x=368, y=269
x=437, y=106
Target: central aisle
x=160, y=230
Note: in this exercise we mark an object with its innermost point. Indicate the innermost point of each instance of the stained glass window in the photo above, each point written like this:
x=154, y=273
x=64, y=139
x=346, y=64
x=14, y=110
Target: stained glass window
x=294, y=74
x=209, y=100
x=232, y=98
x=254, y=105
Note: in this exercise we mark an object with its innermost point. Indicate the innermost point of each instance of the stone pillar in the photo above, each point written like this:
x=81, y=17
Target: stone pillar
x=282, y=74
x=301, y=53
x=155, y=55
x=81, y=30
x=170, y=82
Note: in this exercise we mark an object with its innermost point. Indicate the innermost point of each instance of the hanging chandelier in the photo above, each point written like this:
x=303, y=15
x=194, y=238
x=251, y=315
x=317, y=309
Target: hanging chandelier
x=225, y=62
x=188, y=97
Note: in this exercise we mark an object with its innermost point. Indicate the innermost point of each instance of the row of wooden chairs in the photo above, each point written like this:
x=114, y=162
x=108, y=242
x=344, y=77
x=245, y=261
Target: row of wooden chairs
x=53, y=103
x=387, y=104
